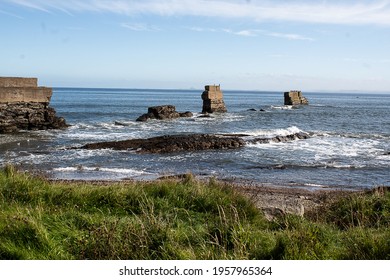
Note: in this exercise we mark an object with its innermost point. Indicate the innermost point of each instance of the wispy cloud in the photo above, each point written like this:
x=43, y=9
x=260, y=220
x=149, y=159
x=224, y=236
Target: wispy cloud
x=365, y=60
x=289, y=36
x=10, y=14
x=202, y=29
x=140, y=27
x=255, y=33
x=375, y=12
x=247, y=33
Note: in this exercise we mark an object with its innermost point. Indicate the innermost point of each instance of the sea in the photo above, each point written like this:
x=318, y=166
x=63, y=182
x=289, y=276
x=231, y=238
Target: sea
x=348, y=148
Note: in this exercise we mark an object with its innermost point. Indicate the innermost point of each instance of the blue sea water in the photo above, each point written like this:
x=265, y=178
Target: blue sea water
x=349, y=145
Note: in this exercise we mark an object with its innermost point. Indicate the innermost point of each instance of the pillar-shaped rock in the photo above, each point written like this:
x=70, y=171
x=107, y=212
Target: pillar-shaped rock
x=213, y=100
x=294, y=97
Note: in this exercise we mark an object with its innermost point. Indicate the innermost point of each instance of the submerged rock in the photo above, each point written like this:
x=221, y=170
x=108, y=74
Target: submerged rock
x=279, y=139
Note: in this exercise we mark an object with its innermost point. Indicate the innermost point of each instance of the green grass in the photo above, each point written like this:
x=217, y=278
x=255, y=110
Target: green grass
x=173, y=219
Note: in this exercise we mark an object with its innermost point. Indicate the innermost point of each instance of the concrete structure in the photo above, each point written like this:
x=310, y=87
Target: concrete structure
x=13, y=90
x=213, y=100
x=25, y=106
x=294, y=97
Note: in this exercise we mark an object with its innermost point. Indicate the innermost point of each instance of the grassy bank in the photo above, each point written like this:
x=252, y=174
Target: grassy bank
x=178, y=220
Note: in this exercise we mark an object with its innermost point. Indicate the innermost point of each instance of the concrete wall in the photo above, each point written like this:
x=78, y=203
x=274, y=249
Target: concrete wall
x=17, y=89
x=26, y=94
x=18, y=82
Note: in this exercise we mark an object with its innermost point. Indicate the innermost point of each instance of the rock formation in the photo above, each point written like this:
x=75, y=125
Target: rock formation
x=213, y=100
x=294, y=97
x=25, y=106
x=189, y=142
x=163, y=112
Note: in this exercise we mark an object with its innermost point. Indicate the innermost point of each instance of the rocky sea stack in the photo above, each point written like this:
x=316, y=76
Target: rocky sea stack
x=295, y=97
x=163, y=112
x=213, y=100
x=25, y=106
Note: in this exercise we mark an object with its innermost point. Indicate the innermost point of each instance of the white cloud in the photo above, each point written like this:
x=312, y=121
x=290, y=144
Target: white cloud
x=140, y=27
x=248, y=33
x=202, y=29
x=289, y=36
x=375, y=12
x=255, y=33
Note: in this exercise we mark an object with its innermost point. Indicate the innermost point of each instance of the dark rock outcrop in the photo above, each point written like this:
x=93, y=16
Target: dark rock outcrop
x=172, y=143
x=25, y=106
x=28, y=116
x=163, y=112
x=189, y=142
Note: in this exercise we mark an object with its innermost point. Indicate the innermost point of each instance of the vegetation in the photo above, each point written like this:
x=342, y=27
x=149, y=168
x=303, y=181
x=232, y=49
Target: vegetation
x=184, y=219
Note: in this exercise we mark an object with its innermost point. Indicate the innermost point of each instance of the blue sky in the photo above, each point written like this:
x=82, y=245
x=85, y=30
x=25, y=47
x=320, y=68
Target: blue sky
x=245, y=44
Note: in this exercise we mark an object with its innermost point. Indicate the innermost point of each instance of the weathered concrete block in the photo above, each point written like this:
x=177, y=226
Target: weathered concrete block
x=18, y=82
x=294, y=97
x=213, y=100
x=25, y=106
x=25, y=94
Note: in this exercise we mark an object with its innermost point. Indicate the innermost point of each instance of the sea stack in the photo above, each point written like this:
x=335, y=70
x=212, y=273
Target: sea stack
x=25, y=106
x=294, y=97
x=213, y=100
x=163, y=112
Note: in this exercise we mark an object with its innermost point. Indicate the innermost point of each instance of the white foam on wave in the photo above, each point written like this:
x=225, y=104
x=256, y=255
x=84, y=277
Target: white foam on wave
x=268, y=133
x=329, y=151
x=124, y=171
x=339, y=146
x=285, y=107
x=99, y=132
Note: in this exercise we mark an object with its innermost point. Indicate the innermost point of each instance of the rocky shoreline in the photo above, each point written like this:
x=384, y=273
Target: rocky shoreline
x=28, y=116
x=25, y=106
x=189, y=142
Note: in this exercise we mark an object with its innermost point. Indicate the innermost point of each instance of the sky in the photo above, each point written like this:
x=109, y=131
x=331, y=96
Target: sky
x=328, y=45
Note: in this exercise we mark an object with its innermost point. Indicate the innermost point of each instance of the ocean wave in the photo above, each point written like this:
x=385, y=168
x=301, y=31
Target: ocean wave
x=269, y=133
x=284, y=107
x=80, y=168
x=333, y=165
x=371, y=136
